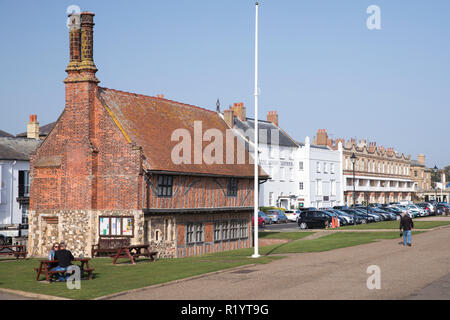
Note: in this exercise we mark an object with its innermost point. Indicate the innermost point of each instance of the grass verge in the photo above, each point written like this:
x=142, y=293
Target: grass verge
x=395, y=225
x=284, y=235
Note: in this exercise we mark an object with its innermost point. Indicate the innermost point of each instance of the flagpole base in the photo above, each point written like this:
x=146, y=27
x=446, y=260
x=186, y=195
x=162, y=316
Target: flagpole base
x=256, y=256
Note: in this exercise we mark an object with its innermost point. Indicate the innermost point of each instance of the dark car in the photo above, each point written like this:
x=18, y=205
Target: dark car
x=340, y=207
x=308, y=209
x=331, y=213
x=360, y=217
x=388, y=215
x=313, y=219
x=395, y=211
x=444, y=208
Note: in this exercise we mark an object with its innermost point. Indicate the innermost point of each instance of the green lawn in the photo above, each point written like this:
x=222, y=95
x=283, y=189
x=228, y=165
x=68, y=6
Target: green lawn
x=284, y=235
x=395, y=225
x=108, y=278
x=325, y=243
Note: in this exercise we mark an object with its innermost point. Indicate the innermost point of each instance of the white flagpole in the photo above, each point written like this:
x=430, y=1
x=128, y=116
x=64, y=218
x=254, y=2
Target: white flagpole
x=256, y=182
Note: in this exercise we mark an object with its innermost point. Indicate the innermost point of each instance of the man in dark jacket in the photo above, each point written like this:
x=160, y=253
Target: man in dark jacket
x=64, y=258
x=406, y=225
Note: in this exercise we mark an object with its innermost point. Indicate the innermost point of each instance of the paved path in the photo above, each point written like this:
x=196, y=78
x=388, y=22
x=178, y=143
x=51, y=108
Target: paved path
x=336, y=274
x=438, y=290
x=9, y=296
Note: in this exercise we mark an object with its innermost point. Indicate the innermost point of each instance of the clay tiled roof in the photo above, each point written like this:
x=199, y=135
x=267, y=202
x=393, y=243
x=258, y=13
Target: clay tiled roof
x=149, y=122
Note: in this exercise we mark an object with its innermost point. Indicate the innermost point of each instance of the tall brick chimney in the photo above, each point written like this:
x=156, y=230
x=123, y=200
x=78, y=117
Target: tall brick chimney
x=78, y=118
x=81, y=38
x=33, y=127
x=272, y=116
x=240, y=111
x=421, y=159
x=321, y=138
x=228, y=117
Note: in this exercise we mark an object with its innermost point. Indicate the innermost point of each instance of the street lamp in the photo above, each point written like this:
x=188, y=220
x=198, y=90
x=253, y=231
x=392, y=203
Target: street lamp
x=353, y=160
x=367, y=206
x=435, y=186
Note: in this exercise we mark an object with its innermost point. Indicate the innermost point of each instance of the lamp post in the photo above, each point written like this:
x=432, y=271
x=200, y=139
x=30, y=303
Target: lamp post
x=435, y=186
x=353, y=160
x=367, y=206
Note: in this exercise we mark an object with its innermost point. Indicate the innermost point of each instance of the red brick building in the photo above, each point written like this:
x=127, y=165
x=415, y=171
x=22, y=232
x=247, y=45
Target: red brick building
x=105, y=170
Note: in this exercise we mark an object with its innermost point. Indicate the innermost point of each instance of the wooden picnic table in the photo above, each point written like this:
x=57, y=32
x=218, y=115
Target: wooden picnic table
x=13, y=250
x=133, y=251
x=45, y=268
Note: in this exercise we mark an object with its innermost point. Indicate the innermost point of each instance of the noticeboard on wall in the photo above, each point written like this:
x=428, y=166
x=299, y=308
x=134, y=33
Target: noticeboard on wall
x=116, y=226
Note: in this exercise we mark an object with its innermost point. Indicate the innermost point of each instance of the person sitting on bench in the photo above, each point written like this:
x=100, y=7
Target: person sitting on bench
x=64, y=258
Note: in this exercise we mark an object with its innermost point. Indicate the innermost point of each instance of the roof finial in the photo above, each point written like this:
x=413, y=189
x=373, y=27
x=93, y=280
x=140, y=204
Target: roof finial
x=218, y=105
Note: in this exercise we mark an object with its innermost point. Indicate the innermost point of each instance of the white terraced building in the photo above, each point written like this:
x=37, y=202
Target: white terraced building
x=295, y=181
x=319, y=175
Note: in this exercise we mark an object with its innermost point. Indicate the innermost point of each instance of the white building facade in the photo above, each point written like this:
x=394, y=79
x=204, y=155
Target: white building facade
x=14, y=184
x=319, y=176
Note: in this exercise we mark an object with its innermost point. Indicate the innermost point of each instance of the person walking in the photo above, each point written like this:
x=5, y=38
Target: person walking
x=406, y=225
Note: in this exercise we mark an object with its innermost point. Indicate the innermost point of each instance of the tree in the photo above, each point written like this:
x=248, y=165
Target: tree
x=447, y=173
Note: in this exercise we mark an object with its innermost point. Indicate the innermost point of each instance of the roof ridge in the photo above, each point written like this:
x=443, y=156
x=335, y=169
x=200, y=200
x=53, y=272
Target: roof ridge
x=138, y=95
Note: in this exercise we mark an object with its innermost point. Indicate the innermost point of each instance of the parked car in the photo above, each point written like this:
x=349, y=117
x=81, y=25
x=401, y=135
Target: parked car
x=292, y=215
x=340, y=207
x=444, y=208
x=308, y=209
x=371, y=212
x=416, y=211
x=385, y=213
x=360, y=218
x=349, y=219
x=267, y=220
x=277, y=216
x=261, y=222
x=395, y=211
x=313, y=219
x=427, y=207
x=342, y=221
x=410, y=212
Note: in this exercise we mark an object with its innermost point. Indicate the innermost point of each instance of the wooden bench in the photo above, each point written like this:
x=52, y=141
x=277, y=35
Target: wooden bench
x=13, y=250
x=109, y=245
x=134, y=251
x=44, y=268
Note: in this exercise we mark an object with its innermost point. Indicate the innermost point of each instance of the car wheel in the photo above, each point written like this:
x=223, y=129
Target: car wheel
x=363, y=221
x=303, y=226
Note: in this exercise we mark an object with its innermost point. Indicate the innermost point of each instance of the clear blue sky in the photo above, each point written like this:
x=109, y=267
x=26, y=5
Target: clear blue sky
x=320, y=67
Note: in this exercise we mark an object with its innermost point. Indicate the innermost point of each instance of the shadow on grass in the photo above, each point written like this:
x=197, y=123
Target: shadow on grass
x=274, y=249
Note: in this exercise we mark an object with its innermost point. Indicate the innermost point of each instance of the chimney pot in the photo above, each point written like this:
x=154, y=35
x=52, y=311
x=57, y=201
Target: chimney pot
x=33, y=127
